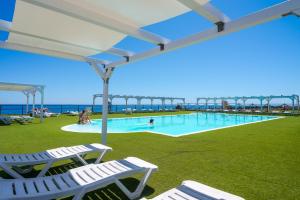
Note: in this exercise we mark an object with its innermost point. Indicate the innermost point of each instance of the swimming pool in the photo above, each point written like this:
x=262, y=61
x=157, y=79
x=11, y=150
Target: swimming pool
x=171, y=125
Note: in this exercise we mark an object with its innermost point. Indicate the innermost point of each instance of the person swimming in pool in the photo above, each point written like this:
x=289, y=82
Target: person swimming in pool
x=151, y=121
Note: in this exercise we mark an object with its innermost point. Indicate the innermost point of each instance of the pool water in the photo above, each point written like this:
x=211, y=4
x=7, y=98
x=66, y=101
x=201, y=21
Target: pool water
x=171, y=125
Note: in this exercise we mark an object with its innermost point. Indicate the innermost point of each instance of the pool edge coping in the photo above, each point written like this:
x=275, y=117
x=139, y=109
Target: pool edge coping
x=185, y=134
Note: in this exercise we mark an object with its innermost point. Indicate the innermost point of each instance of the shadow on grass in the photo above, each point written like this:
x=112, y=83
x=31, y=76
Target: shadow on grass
x=111, y=192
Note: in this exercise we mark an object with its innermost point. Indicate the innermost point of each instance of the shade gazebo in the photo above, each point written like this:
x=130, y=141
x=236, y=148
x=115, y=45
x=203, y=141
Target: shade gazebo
x=27, y=90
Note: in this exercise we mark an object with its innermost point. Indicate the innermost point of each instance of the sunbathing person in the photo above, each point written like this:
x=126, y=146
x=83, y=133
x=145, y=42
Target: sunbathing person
x=84, y=118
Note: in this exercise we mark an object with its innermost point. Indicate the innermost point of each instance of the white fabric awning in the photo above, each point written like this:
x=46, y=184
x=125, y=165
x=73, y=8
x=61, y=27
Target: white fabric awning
x=67, y=26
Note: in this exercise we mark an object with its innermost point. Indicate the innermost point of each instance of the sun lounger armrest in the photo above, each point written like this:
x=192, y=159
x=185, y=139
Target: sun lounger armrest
x=209, y=191
x=98, y=146
x=140, y=163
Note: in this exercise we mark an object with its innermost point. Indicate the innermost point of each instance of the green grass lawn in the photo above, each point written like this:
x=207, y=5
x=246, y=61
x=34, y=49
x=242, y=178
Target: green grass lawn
x=255, y=161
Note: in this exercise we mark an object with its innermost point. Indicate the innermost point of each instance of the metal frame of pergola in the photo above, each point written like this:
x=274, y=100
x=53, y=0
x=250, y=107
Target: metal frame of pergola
x=139, y=99
x=222, y=26
x=294, y=98
x=27, y=90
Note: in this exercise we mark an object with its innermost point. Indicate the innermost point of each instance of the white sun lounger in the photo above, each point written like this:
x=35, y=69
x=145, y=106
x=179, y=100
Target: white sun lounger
x=192, y=190
x=11, y=163
x=78, y=181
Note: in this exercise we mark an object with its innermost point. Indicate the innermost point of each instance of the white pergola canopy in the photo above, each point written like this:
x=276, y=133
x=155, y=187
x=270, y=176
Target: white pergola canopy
x=27, y=90
x=79, y=29
x=19, y=87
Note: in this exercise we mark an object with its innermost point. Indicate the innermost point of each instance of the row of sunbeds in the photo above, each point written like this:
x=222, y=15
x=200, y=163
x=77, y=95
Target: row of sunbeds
x=7, y=120
x=78, y=181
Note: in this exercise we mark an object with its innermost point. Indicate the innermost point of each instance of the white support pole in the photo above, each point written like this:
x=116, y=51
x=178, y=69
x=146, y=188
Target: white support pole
x=27, y=102
x=236, y=104
x=298, y=103
x=163, y=103
x=42, y=105
x=94, y=102
x=215, y=104
x=104, y=110
x=33, y=103
x=293, y=104
x=126, y=103
x=151, y=103
x=244, y=104
x=105, y=74
x=268, y=102
x=261, y=104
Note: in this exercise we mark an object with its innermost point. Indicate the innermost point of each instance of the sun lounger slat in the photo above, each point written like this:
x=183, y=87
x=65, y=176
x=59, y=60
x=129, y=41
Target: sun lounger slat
x=83, y=148
x=101, y=172
x=106, y=171
x=19, y=188
x=51, y=184
x=120, y=165
x=69, y=180
x=30, y=187
x=61, y=184
x=40, y=185
x=117, y=167
x=175, y=194
x=6, y=190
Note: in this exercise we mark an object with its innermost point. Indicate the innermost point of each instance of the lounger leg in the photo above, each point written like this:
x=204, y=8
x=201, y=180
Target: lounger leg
x=81, y=160
x=79, y=195
x=138, y=191
x=100, y=157
x=46, y=168
x=10, y=171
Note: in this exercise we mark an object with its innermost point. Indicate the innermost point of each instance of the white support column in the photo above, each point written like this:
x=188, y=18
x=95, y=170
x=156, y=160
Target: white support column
x=151, y=103
x=298, y=103
x=94, y=101
x=293, y=104
x=236, y=104
x=33, y=103
x=261, y=104
x=215, y=104
x=163, y=103
x=104, y=111
x=244, y=104
x=27, y=102
x=126, y=103
x=268, y=103
x=138, y=100
x=105, y=74
x=42, y=104
x=206, y=104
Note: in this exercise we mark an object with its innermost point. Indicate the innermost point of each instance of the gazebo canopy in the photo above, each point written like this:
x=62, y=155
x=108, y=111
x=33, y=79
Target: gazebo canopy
x=19, y=87
x=78, y=30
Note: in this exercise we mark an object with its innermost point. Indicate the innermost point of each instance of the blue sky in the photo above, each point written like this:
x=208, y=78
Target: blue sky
x=262, y=60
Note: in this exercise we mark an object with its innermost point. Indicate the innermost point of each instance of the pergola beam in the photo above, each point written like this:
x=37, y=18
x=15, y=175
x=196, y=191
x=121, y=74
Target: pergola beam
x=47, y=52
x=97, y=18
x=119, y=52
x=262, y=16
x=206, y=10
